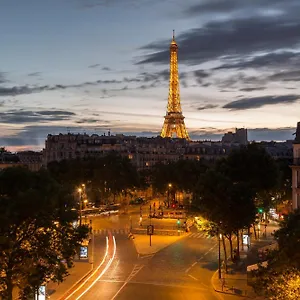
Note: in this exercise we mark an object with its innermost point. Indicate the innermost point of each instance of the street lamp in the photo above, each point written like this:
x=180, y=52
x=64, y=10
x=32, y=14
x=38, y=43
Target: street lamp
x=219, y=246
x=169, y=187
x=80, y=205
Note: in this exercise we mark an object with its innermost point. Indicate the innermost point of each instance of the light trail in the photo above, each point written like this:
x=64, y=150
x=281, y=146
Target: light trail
x=102, y=262
x=103, y=272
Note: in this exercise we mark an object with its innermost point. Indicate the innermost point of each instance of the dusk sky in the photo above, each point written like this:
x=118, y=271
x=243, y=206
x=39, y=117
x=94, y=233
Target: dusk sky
x=93, y=65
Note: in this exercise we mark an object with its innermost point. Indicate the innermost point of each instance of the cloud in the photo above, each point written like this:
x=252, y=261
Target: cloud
x=2, y=77
x=270, y=60
x=200, y=75
x=228, y=38
x=27, y=89
x=94, y=66
x=250, y=89
x=109, y=3
x=238, y=79
x=271, y=134
x=285, y=76
x=91, y=121
x=34, y=74
x=148, y=76
x=144, y=77
x=256, y=102
x=237, y=6
x=28, y=116
x=207, y=106
x=254, y=134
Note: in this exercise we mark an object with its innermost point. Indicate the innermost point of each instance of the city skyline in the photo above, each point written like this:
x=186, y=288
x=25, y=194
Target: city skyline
x=95, y=65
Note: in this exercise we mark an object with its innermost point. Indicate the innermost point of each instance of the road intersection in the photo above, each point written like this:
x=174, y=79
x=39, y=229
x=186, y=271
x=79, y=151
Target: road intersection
x=182, y=270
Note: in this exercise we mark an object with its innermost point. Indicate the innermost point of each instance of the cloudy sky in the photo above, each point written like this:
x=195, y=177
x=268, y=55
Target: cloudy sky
x=94, y=65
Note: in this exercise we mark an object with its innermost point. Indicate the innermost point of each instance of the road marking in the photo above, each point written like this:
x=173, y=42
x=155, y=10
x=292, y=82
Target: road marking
x=209, y=250
x=135, y=270
x=116, y=265
x=193, y=277
x=103, y=272
x=168, y=285
x=111, y=280
x=189, y=268
x=102, y=262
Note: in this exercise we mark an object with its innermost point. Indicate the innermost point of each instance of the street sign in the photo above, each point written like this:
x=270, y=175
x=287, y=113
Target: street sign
x=150, y=229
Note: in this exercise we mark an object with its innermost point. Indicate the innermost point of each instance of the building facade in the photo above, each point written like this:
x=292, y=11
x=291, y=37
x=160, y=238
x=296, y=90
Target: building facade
x=143, y=152
x=239, y=137
x=296, y=170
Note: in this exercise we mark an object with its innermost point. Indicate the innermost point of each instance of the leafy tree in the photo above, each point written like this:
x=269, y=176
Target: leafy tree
x=109, y=175
x=250, y=164
x=283, y=285
x=281, y=277
x=182, y=174
x=288, y=237
x=228, y=205
x=37, y=238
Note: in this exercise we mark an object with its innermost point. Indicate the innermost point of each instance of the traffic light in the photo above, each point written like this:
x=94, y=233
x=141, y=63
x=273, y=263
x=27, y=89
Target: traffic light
x=260, y=210
x=178, y=222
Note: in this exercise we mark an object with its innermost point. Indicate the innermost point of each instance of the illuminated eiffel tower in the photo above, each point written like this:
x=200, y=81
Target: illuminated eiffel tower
x=174, y=120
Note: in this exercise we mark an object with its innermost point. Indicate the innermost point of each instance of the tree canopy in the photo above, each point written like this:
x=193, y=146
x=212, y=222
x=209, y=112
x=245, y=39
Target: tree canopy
x=105, y=176
x=281, y=278
x=37, y=237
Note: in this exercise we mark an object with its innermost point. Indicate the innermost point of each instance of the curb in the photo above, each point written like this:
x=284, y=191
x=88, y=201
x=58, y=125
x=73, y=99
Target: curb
x=77, y=282
x=217, y=290
x=142, y=255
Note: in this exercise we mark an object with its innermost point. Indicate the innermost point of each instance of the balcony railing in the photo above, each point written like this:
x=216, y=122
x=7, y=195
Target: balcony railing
x=296, y=161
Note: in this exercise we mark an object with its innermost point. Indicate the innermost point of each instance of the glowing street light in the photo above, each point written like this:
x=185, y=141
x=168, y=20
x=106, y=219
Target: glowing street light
x=80, y=205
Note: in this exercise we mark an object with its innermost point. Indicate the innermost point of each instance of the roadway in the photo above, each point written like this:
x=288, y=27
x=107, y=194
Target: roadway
x=181, y=271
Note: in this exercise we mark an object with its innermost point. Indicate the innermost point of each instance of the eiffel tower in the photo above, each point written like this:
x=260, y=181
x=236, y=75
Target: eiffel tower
x=174, y=120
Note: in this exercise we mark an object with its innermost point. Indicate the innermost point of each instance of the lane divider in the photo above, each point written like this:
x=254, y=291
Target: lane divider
x=103, y=271
x=86, y=280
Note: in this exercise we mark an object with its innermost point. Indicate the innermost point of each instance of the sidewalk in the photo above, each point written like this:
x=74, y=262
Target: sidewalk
x=235, y=281
x=142, y=243
x=80, y=270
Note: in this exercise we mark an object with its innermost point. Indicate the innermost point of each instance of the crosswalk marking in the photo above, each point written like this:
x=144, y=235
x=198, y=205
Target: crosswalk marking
x=204, y=235
x=113, y=231
x=200, y=235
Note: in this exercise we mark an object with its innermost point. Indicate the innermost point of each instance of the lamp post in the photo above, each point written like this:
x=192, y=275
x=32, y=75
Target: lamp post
x=219, y=246
x=80, y=205
x=169, y=188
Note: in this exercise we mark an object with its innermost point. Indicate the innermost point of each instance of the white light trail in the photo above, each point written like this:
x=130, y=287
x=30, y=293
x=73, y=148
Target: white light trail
x=104, y=270
x=102, y=262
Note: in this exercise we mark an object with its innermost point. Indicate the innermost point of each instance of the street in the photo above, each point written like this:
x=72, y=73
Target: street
x=182, y=270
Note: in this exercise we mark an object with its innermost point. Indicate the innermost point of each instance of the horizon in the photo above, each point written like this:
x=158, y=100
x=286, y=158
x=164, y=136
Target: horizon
x=102, y=66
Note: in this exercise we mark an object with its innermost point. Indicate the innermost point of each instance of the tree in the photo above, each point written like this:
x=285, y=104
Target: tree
x=283, y=285
x=288, y=237
x=37, y=238
x=111, y=174
x=250, y=164
x=281, y=278
x=228, y=205
x=182, y=174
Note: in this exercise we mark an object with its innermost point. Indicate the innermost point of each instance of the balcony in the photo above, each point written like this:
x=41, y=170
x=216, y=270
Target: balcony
x=296, y=161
